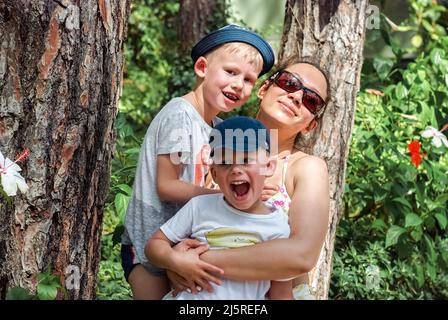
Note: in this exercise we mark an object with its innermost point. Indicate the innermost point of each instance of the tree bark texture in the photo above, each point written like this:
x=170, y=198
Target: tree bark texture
x=194, y=16
x=330, y=33
x=60, y=80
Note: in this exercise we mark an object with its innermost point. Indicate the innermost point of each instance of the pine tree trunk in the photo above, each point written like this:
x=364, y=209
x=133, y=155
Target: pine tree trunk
x=60, y=80
x=330, y=33
x=194, y=18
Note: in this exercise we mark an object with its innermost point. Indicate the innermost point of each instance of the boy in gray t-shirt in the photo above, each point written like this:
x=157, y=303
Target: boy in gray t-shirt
x=170, y=172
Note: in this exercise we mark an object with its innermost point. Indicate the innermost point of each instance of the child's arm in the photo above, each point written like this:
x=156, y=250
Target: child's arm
x=280, y=290
x=185, y=263
x=170, y=188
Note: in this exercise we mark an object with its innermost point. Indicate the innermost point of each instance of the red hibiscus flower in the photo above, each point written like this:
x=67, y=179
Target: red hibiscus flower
x=414, y=150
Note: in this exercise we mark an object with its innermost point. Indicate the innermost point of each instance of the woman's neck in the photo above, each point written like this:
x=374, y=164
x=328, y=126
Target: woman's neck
x=285, y=139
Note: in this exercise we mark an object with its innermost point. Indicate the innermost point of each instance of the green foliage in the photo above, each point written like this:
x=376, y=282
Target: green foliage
x=399, y=207
x=47, y=288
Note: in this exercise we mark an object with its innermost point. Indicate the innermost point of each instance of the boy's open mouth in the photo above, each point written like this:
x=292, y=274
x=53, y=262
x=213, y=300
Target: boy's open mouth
x=230, y=96
x=240, y=188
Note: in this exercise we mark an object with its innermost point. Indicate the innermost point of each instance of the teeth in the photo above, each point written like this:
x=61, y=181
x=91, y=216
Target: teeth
x=238, y=182
x=231, y=96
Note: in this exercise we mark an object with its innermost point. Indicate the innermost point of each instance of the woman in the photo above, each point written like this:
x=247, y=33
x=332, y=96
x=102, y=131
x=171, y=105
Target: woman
x=292, y=101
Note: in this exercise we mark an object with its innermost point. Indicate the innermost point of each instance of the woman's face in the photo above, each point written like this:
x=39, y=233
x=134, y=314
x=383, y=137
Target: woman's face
x=286, y=109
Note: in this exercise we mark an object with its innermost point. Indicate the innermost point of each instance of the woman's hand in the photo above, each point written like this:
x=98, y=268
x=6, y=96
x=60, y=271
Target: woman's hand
x=191, y=272
x=178, y=283
x=268, y=191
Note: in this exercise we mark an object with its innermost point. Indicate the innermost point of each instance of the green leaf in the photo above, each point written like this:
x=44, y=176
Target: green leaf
x=430, y=249
x=441, y=219
x=125, y=188
x=46, y=292
x=403, y=201
x=382, y=67
x=442, y=198
x=48, y=285
x=393, y=234
x=18, y=293
x=431, y=270
x=379, y=224
x=401, y=91
x=419, y=272
x=412, y=220
x=417, y=234
x=121, y=204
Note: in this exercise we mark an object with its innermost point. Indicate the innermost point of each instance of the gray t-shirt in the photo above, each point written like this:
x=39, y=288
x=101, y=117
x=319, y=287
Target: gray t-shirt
x=178, y=127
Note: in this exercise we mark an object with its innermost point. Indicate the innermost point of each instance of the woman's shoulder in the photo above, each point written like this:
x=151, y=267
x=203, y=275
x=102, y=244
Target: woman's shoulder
x=301, y=163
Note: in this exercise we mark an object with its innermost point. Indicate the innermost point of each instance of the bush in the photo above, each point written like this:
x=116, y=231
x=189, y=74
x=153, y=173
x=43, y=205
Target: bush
x=396, y=207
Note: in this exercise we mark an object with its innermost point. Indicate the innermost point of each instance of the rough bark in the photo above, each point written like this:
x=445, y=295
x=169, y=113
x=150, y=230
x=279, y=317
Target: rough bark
x=194, y=16
x=60, y=80
x=330, y=33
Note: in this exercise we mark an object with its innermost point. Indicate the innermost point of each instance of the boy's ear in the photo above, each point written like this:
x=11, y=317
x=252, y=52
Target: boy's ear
x=262, y=91
x=213, y=172
x=200, y=67
x=311, y=126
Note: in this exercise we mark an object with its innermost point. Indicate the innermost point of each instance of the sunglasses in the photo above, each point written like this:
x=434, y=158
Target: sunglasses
x=292, y=83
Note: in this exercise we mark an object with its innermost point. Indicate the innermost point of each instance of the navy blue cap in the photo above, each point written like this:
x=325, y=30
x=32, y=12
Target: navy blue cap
x=241, y=134
x=233, y=33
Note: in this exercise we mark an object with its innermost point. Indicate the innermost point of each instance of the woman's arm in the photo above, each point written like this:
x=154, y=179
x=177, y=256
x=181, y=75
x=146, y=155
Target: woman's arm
x=308, y=219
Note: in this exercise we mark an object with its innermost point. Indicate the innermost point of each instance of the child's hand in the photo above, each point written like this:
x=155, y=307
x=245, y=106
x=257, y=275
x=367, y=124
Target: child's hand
x=268, y=191
x=195, y=272
x=205, y=155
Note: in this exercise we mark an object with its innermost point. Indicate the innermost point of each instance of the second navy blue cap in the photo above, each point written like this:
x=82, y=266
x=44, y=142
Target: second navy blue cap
x=241, y=134
x=234, y=33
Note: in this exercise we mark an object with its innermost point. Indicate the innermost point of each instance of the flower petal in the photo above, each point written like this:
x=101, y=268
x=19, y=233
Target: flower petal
x=444, y=140
x=429, y=132
x=21, y=183
x=9, y=184
x=437, y=142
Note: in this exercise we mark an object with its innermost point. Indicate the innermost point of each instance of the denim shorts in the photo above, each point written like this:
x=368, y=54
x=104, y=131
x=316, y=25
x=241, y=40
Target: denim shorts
x=129, y=260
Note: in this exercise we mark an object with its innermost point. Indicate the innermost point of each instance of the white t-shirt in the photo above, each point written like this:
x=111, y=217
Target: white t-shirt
x=209, y=219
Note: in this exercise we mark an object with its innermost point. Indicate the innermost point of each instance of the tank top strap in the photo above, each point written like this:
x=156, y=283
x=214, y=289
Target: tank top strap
x=285, y=168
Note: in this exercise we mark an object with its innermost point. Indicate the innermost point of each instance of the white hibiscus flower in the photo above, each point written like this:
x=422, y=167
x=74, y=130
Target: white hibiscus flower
x=10, y=176
x=437, y=137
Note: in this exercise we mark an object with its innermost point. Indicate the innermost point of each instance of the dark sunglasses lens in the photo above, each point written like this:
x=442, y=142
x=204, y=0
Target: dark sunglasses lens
x=312, y=102
x=288, y=82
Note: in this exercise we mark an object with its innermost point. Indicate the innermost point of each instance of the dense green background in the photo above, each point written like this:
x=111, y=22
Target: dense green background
x=392, y=240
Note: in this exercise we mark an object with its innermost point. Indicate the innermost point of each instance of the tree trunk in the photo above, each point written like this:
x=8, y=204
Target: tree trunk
x=331, y=34
x=60, y=80
x=194, y=17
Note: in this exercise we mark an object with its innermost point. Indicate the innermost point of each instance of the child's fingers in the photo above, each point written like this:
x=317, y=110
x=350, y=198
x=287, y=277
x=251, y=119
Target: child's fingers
x=187, y=244
x=265, y=197
x=201, y=249
x=270, y=186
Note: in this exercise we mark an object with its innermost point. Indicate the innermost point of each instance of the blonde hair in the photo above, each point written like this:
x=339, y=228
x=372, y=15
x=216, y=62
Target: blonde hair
x=244, y=50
